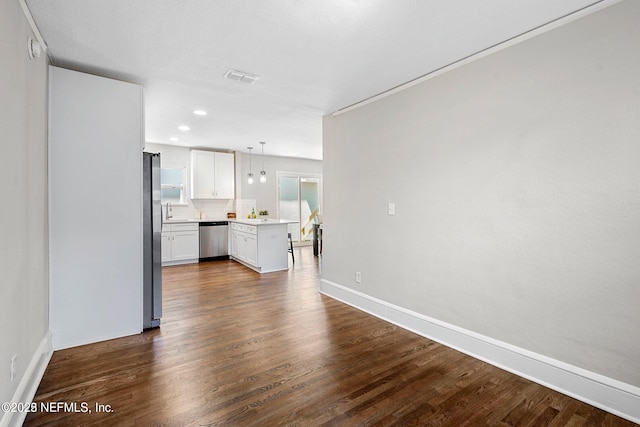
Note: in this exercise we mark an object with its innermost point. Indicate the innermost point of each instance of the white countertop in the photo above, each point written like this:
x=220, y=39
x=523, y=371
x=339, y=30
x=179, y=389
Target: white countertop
x=257, y=221
x=182, y=220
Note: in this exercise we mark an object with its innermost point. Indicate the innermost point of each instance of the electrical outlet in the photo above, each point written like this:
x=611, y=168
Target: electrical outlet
x=358, y=277
x=13, y=366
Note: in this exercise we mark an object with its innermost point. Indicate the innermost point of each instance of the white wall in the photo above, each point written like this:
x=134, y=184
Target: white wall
x=23, y=218
x=517, y=187
x=266, y=195
x=95, y=177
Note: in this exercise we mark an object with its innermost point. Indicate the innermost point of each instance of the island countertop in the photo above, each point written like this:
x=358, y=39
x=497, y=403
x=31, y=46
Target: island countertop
x=248, y=221
x=188, y=220
x=260, y=221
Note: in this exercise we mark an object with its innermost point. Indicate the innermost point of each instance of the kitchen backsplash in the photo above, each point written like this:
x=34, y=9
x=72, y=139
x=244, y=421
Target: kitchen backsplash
x=211, y=209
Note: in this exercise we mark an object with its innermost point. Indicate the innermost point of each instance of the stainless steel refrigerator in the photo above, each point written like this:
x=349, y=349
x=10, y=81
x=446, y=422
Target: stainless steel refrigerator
x=152, y=212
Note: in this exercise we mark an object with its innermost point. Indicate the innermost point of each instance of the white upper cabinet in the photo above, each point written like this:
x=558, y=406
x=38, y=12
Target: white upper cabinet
x=202, y=175
x=224, y=176
x=212, y=175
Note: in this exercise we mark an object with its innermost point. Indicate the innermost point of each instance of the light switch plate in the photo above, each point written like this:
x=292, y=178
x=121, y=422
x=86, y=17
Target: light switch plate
x=391, y=208
x=12, y=368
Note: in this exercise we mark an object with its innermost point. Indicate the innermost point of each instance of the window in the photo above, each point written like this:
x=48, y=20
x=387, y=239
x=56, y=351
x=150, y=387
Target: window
x=172, y=189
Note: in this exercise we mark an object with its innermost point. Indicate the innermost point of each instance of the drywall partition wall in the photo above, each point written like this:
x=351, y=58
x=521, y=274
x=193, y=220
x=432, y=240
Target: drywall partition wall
x=24, y=289
x=95, y=173
x=517, y=199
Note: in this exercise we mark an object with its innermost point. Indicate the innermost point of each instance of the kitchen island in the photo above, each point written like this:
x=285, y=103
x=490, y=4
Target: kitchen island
x=260, y=244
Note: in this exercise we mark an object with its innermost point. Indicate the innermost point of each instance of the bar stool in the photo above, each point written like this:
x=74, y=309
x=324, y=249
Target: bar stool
x=290, y=250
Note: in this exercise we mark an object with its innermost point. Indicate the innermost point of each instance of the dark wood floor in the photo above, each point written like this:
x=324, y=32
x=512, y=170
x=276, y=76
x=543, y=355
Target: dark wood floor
x=237, y=348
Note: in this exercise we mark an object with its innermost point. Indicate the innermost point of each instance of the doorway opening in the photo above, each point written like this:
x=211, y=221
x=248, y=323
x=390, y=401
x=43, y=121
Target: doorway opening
x=299, y=200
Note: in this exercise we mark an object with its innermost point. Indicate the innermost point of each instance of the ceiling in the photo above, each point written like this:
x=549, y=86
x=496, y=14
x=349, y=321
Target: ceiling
x=313, y=57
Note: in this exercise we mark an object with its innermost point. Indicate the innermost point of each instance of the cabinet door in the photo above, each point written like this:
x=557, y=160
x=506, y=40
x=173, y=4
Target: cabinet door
x=241, y=246
x=184, y=245
x=234, y=243
x=166, y=247
x=224, y=176
x=251, y=244
x=202, y=174
x=249, y=248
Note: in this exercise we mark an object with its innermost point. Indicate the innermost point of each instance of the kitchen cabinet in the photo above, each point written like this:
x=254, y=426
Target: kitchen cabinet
x=212, y=175
x=246, y=243
x=165, y=243
x=180, y=243
x=261, y=247
x=233, y=242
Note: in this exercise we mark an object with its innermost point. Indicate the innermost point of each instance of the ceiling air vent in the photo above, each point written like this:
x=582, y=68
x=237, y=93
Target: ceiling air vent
x=241, y=76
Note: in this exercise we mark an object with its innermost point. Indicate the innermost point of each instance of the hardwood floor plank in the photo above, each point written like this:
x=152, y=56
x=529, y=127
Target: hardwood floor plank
x=237, y=348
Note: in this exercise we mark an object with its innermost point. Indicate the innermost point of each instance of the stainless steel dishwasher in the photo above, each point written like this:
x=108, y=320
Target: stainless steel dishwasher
x=214, y=240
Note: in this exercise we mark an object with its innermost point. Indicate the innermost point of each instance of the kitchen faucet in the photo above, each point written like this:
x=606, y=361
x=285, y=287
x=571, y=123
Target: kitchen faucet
x=169, y=210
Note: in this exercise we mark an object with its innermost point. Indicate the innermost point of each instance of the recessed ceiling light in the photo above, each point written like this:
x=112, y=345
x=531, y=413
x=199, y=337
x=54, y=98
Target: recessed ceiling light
x=200, y=112
x=184, y=128
x=174, y=139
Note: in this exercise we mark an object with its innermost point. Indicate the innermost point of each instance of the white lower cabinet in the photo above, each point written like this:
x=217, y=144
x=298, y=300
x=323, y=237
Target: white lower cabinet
x=262, y=248
x=180, y=243
x=233, y=242
x=248, y=247
x=244, y=244
x=166, y=245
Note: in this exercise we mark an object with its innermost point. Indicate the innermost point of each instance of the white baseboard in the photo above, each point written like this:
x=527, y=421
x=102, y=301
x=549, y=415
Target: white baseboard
x=597, y=390
x=30, y=381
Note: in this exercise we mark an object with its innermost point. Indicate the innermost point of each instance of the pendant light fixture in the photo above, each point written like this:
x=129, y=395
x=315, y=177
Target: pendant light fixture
x=263, y=173
x=250, y=174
